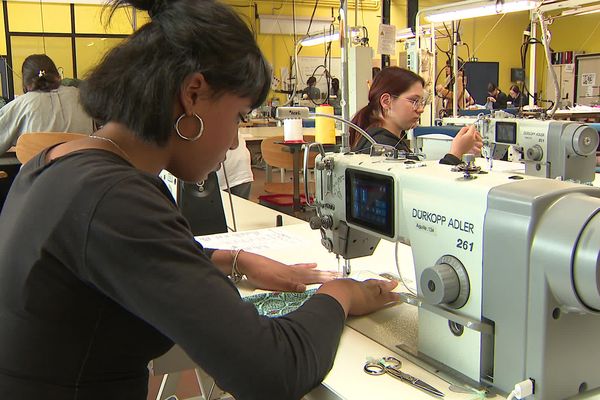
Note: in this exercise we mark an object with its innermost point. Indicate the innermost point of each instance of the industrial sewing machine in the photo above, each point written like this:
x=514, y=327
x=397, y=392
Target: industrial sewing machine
x=550, y=149
x=507, y=266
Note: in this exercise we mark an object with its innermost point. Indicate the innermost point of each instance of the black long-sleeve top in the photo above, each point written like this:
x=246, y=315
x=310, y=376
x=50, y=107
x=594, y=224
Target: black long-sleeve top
x=99, y=273
x=501, y=101
x=383, y=136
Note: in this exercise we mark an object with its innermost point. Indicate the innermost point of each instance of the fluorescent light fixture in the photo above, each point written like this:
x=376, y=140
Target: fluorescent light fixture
x=581, y=11
x=403, y=34
x=407, y=33
x=453, y=13
x=320, y=39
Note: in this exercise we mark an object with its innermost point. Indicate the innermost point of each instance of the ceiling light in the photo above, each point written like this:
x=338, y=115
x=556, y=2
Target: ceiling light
x=404, y=34
x=581, y=11
x=407, y=33
x=314, y=40
x=453, y=13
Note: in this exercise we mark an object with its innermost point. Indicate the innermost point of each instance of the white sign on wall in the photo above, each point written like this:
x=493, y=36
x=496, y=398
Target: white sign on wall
x=387, y=39
x=588, y=79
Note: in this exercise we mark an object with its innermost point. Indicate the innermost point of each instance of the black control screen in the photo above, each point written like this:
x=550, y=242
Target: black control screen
x=370, y=201
x=506, y=132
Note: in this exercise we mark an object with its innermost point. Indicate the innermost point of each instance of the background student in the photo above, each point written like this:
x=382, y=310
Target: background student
x=396, y=102
x=45, y=106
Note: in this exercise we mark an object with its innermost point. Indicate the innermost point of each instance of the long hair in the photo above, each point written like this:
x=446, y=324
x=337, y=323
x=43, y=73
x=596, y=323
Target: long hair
x=391, y=80
x=335, y=86
x=138, y=82
x=39, y=74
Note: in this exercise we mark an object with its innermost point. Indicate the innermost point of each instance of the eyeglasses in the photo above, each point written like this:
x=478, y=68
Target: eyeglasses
x=416, y=103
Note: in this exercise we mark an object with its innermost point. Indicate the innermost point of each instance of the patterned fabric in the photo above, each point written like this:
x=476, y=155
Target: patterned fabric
x=278, y=304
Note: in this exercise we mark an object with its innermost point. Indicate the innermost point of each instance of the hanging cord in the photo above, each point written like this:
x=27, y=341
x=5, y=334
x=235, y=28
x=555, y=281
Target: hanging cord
x=488, y=34
x=546, y=40
x=43, y=30
x=399, y=270
x=589, y=37
x=230, y=199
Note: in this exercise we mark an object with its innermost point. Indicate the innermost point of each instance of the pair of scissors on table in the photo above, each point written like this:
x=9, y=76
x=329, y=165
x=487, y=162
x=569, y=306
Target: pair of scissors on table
x=391, y=365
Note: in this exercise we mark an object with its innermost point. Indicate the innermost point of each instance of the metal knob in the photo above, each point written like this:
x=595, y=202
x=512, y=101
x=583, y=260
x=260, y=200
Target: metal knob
x=468, y=158
x=585, y=141
x=325, y=222
x=440, y=284
x=447, y=282
x=315, y=222
x=535, y=153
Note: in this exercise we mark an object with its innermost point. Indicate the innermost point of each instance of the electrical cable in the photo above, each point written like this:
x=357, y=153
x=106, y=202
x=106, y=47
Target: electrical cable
x=400, y=271
x=43, y=29
x=311, y=17
x=294, y=19
x=546, y=40
x=230, y=199
x=589, y=37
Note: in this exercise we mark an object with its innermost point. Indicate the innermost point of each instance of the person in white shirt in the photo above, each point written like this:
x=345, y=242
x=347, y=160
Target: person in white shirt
x=46, y=106
x=238, y=168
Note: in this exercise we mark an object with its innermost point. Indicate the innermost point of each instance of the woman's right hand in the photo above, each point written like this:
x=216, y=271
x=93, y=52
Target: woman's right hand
x=467, y=140
x=359, y=298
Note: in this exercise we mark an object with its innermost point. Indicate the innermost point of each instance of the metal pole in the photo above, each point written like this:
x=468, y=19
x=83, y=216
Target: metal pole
x=345, y=46
x=532, y=55
x=385, y=19
x=433, y=68
x=455, y=70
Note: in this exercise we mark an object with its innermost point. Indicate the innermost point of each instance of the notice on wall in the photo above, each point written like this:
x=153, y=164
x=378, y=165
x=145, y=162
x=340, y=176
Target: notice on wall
x=589, y=91
x=588, y=79
x=387, y=39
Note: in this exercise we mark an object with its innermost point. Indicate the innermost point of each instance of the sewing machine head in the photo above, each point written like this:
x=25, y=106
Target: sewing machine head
x=550, y=149
x=506, y=266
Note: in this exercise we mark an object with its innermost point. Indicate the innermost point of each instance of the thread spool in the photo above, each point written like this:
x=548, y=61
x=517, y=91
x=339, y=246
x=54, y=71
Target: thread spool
x=325, y=127
x=292, y=131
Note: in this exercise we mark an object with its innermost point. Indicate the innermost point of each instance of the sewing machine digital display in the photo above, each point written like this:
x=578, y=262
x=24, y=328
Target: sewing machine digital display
x=370, y=201
x=506, y=132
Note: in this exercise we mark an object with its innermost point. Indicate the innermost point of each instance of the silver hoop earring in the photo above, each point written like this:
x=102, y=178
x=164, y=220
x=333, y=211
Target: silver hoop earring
x=200, y=131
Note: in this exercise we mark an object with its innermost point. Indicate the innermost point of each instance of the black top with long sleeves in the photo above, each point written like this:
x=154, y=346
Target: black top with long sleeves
x=99, y=273
x=383, y=136
x=501, y=101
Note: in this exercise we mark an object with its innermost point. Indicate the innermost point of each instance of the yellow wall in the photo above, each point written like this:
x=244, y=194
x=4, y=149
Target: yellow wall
x=502, y=44
x=56, y=18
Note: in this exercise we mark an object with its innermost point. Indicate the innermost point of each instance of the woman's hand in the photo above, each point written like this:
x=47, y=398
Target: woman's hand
x=265, y=273
x=359, y=298
x=467, y=140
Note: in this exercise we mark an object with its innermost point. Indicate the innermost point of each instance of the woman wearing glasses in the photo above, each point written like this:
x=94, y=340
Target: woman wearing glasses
x=396, y=102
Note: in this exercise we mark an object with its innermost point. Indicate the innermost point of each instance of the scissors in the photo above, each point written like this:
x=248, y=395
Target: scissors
x=391, y=365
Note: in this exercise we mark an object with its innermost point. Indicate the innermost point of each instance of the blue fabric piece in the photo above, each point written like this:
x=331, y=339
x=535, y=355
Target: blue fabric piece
x=280, y=303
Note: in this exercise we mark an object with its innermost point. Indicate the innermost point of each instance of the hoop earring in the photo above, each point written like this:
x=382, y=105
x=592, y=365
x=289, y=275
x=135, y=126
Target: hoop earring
x=200, y=131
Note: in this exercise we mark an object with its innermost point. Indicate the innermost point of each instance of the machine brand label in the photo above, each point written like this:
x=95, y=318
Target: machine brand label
x=531, y=135
x=442, y=220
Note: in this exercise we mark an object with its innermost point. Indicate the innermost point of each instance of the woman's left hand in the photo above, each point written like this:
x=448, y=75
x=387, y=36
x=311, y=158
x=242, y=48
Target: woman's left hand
x=268, y=274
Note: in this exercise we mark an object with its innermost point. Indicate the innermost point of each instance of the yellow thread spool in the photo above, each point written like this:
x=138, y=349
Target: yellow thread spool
x=325, y=127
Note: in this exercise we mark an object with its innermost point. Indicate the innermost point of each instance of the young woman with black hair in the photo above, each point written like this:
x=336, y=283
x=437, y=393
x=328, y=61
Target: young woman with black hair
x=100, y=272
x=45, y=106
x=396, y=102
